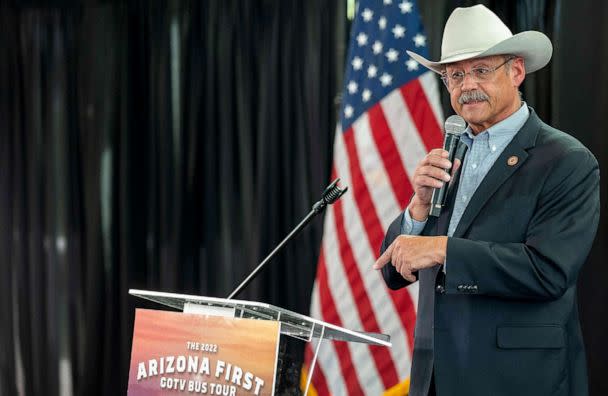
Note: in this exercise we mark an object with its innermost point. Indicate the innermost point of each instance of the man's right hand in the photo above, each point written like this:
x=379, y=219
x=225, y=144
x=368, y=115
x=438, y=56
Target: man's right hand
x=429, y=174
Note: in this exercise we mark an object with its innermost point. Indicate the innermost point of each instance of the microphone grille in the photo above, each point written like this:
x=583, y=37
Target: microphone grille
x=455, y=125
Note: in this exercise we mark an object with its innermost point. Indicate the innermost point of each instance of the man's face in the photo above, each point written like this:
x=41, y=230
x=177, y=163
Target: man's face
x=485, y=103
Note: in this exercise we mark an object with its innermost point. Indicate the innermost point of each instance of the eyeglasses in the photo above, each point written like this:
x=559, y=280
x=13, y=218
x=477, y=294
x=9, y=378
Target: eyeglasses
x=478, y=74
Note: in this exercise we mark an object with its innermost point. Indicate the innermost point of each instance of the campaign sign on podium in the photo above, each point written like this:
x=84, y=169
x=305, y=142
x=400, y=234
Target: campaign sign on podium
x=177, y=353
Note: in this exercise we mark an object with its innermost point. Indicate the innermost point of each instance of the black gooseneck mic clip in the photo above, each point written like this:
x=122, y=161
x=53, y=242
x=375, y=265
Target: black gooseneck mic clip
x=331, y=194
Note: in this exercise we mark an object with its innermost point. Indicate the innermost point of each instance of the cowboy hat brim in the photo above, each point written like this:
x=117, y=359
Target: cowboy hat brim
x=535, y=47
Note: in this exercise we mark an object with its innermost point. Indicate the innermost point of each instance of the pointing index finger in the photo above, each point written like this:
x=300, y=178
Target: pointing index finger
x=384, y=259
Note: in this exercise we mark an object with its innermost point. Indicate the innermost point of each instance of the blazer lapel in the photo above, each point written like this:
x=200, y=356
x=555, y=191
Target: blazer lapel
x=501, y=171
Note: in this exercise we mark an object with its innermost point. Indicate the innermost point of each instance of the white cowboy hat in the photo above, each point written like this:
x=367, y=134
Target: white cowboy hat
x=476, y=32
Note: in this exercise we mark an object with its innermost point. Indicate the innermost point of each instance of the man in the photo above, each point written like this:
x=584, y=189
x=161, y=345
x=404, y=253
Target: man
x=497, y=311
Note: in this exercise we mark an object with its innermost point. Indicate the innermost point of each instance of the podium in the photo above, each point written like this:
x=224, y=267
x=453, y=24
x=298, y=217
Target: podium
x=291, y=324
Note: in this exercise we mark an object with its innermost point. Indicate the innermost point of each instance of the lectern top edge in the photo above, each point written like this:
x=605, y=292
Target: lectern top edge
x=291, y=320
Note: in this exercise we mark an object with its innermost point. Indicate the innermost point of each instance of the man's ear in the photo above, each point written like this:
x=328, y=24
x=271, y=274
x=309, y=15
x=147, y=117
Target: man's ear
x=518, y=71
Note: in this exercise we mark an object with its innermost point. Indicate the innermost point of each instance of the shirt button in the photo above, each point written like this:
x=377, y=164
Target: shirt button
x=493, y=148
x=474, y=166
x=464, y=198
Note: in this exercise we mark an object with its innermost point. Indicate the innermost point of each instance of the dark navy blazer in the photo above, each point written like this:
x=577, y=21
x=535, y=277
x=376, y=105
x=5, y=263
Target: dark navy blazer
x=504, y=319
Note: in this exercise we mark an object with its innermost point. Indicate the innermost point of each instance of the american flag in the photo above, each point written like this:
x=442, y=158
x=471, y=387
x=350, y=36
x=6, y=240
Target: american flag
x=390, y=118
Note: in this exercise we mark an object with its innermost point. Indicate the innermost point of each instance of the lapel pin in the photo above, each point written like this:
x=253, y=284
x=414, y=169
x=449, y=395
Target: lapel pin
x=513, y=160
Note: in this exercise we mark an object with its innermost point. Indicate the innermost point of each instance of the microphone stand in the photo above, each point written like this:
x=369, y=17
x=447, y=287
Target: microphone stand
x=331, y=194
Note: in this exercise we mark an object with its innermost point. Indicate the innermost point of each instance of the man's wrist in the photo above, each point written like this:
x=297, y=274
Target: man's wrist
x=418, y=210
x=442, y=248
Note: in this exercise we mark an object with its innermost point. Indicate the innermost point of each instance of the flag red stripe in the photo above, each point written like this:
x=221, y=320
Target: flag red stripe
x=387, y=148
x=330, y=314
x=382, y=357
x=422, y=114
x=370, y=219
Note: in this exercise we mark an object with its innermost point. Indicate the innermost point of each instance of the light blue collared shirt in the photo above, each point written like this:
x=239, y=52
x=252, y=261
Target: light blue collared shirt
x=483, y=151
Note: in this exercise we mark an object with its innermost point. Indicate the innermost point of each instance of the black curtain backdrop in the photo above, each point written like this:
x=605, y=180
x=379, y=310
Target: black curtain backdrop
x=164, y=145
x=169, y=145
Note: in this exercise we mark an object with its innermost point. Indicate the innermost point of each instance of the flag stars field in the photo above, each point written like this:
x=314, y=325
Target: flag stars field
x=386, y=79
x=406, y=7
x=378, y=50
x=372, y=71
x=366, y=95
x=411, y=65
x=419, y=40
x=352, y=87
x=392, y=55
x=362, y=39
x=377, y=47
x=399, y=31
x=348, y=111
x=382, y=23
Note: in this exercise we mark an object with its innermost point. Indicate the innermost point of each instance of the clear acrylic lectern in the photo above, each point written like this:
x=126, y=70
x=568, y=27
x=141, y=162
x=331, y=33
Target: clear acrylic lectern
x=291, y=324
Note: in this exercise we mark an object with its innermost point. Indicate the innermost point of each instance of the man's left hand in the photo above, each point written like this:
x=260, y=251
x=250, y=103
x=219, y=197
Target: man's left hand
x=409, y=254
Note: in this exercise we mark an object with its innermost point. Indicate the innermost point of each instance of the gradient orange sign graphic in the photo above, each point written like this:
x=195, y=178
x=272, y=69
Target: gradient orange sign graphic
x=175, y=353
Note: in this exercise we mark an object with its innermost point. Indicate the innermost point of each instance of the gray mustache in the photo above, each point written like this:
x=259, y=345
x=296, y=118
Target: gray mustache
x=472, y=96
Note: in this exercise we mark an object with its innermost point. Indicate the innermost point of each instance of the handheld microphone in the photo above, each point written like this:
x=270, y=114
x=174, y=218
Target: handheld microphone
x=454, y=127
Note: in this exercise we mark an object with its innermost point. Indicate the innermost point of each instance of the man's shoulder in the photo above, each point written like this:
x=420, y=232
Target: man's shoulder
x=558, y=144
